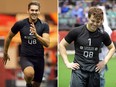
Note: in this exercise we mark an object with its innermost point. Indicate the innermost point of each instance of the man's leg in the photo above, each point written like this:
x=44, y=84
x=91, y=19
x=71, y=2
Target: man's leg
x=28, y=75
x=94, y=79
x=39, y=70
x=28, y=70
x=78, y=78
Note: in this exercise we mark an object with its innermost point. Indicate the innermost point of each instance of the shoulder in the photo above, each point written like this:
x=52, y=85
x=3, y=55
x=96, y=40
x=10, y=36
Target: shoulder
x=21, y=22
x=102, y=31
x=43, y=23
x=78, y=29
x=75, y=32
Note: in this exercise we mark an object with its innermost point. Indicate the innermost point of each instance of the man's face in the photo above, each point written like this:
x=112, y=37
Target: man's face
x=33, y=12
x=94, y=23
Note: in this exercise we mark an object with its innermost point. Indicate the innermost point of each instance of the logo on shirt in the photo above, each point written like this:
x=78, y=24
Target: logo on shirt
x=31, y=38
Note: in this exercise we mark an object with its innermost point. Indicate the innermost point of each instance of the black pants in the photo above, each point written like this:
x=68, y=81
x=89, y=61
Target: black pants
x=37, y=63
x=82, y=78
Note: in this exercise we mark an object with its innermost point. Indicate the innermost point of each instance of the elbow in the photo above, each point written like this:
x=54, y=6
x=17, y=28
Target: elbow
x=60, y=47
x=47, y=44
x=114, y=49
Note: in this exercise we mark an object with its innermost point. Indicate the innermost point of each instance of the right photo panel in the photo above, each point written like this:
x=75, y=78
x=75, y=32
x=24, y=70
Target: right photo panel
x=86, y=43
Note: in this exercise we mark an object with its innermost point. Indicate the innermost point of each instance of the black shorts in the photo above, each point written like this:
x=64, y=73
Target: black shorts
x=82, y=78
x=37, y=63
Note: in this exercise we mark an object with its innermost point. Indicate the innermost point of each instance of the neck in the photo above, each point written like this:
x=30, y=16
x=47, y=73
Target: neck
x=89, y=28
x=30, y=20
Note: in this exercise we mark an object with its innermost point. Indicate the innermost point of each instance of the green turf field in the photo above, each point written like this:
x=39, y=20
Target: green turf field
x=64, y=73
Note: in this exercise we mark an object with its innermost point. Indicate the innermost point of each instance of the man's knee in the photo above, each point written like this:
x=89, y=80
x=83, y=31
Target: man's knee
x=29, y=72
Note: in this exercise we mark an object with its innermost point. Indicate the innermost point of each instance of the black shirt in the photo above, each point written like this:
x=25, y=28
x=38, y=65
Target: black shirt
x=87, y=45
x=30, y=45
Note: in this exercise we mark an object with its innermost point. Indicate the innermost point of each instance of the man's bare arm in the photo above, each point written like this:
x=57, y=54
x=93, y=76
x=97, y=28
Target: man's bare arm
x=6, y=46
x=62, y=49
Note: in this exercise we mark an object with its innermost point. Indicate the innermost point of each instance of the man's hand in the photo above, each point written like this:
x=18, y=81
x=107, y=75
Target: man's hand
x=5, y=58
x=73, y=66
x=33, y=29
x=100, y=66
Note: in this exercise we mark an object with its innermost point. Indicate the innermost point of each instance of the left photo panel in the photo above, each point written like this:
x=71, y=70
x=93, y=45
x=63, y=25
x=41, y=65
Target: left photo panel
x=28, y=43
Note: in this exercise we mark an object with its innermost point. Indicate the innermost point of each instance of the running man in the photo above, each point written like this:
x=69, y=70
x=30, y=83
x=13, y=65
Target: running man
x=34, y=35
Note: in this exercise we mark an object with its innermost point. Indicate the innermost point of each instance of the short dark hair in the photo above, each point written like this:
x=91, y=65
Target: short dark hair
x=34, y=3
x=96, y=12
